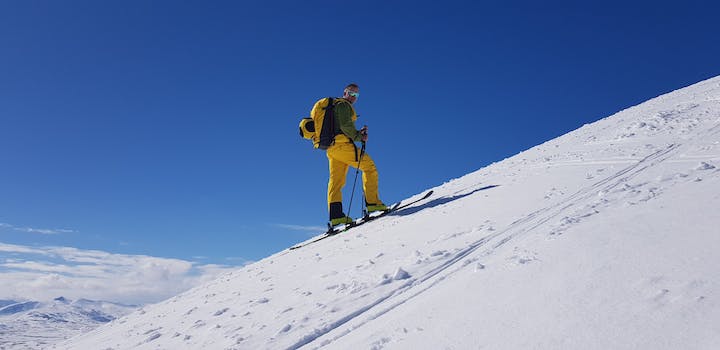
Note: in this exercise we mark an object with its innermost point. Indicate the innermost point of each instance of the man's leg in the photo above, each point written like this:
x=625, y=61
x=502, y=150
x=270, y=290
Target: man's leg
x=370, y=180
x=338, y=175
x=345, y=154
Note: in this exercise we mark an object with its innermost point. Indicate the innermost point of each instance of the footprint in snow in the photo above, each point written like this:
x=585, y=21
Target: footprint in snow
x=285, y=329
x=553, y=192
x=220, y=312
x=523, y=257
x=380, y=344
x=705, y=166
x=153, y=337
x=152, y=330
x=443, y=253
x=469, y=261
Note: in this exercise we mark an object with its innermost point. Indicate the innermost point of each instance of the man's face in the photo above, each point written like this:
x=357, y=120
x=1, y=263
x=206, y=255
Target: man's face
x=351, y=94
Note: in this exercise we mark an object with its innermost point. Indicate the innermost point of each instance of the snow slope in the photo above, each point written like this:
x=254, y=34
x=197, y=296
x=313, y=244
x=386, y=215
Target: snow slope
x=604, y=238
x=36, y=325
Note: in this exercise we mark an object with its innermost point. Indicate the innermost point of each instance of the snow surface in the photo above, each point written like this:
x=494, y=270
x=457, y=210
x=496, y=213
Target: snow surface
x=604, y=238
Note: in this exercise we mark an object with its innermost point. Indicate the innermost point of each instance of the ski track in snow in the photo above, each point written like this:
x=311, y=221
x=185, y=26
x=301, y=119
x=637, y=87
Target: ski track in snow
x=520, y=227
x=317, y=296
x=516, y=229
x=415, y=286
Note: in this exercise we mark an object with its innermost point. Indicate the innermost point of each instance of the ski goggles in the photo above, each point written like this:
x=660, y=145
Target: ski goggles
x=353, y=93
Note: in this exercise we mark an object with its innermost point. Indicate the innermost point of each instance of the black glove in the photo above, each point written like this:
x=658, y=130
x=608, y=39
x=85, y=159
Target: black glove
x=364, y=133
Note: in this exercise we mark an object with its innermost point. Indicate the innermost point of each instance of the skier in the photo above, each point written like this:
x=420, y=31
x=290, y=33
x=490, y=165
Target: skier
x=343, y=153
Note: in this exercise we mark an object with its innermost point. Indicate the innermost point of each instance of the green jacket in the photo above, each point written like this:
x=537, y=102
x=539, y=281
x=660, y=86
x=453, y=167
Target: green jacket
x=345, y=120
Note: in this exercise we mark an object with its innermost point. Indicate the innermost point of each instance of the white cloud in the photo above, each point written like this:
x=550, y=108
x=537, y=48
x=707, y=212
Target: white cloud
x=17, y=249
x=35, y=230
x=314, y=229
x=43, y=273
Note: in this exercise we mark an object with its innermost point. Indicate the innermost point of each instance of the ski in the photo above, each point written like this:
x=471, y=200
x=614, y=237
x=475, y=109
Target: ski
x=394, y=208
x=332, y=231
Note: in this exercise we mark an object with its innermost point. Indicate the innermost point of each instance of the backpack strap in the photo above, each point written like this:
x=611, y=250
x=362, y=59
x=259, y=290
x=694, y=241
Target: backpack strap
x=330, y=112
x=327, y=133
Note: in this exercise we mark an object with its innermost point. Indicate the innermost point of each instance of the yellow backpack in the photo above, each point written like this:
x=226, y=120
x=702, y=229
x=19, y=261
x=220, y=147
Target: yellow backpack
x=315, y=128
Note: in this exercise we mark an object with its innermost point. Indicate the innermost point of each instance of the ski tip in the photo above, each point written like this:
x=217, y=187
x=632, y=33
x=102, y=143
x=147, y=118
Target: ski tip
x=426, y=195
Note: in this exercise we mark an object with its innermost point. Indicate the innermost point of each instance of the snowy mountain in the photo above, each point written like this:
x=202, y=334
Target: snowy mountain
x=4, y=303
x=604, y=238
x=36, y=325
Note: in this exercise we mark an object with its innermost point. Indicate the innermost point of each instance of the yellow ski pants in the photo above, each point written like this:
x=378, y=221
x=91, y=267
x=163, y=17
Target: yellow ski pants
x=341, y=155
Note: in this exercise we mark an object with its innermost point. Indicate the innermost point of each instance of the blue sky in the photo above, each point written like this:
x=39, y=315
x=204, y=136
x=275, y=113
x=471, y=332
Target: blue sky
x=169, y=128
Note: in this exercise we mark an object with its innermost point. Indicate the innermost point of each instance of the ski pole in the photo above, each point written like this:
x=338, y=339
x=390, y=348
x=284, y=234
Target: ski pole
x=357, y=170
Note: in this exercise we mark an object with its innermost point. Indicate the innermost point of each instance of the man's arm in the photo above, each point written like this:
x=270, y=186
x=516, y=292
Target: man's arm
x=344, y=114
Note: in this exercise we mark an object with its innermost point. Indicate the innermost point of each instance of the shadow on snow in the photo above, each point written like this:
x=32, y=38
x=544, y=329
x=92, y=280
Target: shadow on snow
x=436, y=202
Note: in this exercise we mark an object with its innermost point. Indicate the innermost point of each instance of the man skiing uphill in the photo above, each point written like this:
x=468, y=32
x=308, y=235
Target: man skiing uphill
x=343, y=153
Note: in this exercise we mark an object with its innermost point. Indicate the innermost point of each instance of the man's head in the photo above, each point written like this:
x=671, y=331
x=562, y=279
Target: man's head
x=352, y=92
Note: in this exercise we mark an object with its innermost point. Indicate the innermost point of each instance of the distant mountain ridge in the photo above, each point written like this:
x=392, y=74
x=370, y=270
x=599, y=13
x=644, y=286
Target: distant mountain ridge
x=36, y=324
x=18, y=307
x=4, y=303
